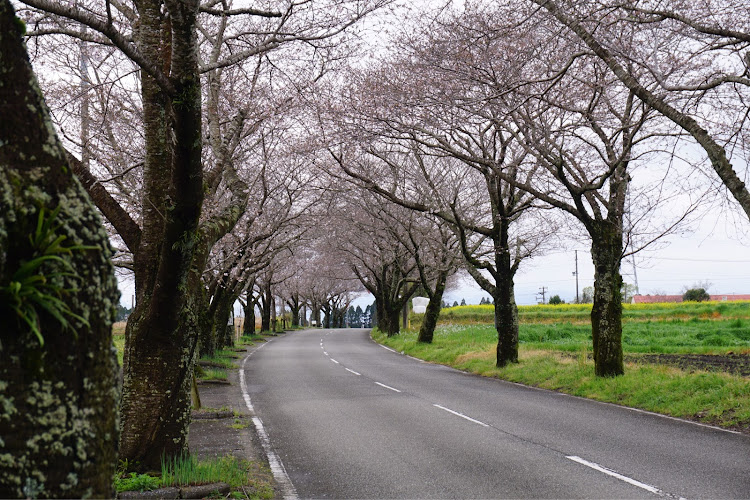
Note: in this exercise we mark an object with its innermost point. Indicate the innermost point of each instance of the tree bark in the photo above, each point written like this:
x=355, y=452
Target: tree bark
x=606, y=313
x=265, y=310
x=248, y=327
x=161, y=334
x=432, y=313
x=59, y=395
x=506, y=324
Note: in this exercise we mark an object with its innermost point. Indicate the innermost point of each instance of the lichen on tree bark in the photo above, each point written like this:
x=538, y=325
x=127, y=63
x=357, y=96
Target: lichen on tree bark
x=58, y=426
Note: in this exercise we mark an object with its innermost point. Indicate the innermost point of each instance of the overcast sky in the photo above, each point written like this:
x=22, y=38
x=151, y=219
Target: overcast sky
x=717, y=252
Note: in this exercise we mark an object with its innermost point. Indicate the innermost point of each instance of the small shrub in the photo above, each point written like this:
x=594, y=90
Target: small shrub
x=696, y=295
x=555, y=300
x=136, y=482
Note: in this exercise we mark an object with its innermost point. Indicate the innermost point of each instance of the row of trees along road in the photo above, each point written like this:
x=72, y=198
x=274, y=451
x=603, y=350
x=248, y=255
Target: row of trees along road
x=173, y=129
x=533, y=108
x=214, y=139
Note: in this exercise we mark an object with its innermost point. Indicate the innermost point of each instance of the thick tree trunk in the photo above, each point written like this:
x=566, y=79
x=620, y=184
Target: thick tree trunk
x=506, y=311
x=295, y=316
x=326, y=316
x=506, y=324
x=161, y=335
x=392, y=321
x=58, y=427
x=606, y=313
x=432, y=313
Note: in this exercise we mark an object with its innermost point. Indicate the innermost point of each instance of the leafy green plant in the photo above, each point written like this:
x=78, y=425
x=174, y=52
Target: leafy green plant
x=136, y=482
x=36, y=285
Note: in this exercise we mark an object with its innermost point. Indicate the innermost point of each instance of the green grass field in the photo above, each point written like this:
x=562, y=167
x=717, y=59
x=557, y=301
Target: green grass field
x=555, y=348
x=580, y=313
x=710, y=397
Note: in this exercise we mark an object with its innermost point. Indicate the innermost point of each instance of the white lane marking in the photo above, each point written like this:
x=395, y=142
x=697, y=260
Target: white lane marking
x=335, y=361
x=387, y=387
x=386, y=348
x=617, y=475
x=274, y=462
x=326, y=353
x=461, y=415
x=352, y=371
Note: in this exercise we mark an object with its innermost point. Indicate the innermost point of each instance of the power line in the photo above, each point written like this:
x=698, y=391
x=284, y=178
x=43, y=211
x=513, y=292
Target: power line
x=722, y=261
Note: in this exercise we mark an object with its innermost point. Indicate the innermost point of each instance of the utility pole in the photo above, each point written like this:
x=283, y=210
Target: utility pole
x=575, y=273
x=542, y=292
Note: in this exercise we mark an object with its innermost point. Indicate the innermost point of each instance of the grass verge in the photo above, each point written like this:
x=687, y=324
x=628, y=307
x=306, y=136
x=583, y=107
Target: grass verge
x=251, y=339
x=210, y=373
x=247, y=479
x=709, y=397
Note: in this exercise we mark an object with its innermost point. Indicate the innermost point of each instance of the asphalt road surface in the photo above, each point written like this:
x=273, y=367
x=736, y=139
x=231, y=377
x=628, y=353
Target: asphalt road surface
x=349, y=419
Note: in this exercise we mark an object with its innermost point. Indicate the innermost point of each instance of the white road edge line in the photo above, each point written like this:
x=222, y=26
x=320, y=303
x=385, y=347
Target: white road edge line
x=386, y=348
x=277, y=467
x=324, y=352
x=387, y=387
x=617, y=475
x=352, y=371
x=461, y=415
x=335, y=361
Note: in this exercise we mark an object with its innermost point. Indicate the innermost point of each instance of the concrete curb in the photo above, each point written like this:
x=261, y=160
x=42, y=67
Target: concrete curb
x=182, y=492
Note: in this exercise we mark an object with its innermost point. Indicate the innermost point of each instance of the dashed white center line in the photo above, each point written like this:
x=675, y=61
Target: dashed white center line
x=335, y=361
x=461, y=415
x=387, y=387
x=617, y=475
x=352, y=371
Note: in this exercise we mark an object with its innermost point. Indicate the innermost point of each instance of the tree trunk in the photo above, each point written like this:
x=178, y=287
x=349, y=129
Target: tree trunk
x=207, y=342
x=295, y=315
x=392, y=321
x=606, y=313
x=327, y=316
x=506, y=324
x=265, y=312
x=506, y=311
x=432, y=313
x=248, y=327
x=58, y=387
x=161, y=335
x=273, y=314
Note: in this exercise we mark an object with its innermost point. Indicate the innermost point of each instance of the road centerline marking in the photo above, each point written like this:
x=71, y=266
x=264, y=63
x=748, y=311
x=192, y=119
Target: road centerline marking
x=461, y=415
x=610, y=472
x=352, y=371
x=388, y=387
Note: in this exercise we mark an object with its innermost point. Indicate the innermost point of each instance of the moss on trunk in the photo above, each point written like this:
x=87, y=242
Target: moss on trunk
x=58, y=424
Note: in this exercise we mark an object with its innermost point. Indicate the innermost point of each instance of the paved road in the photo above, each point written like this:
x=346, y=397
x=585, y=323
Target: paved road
x=349, y=419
